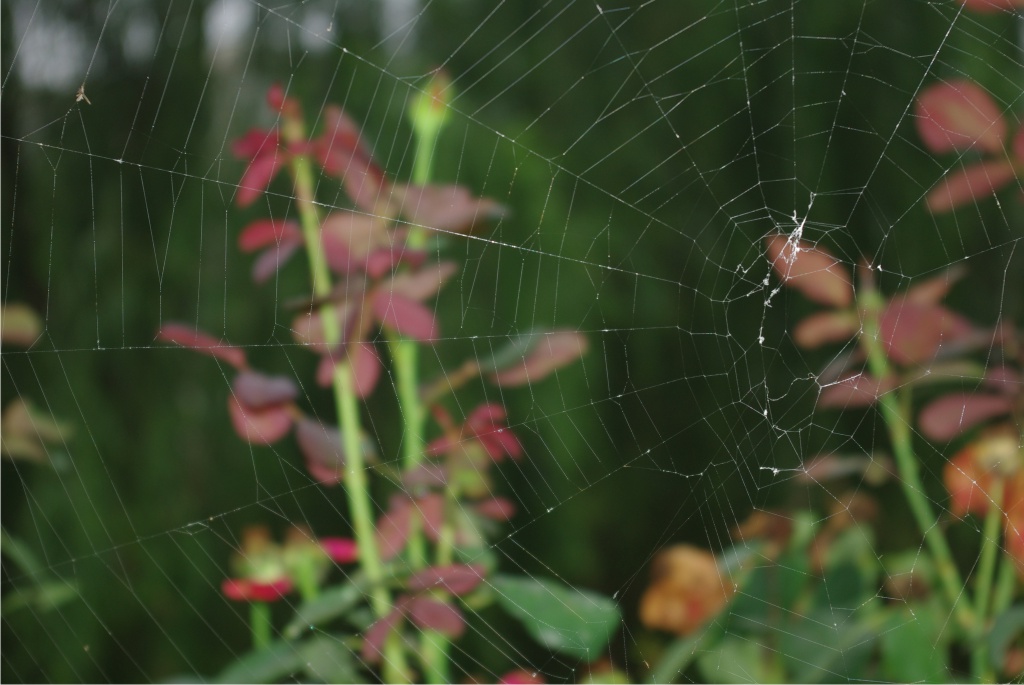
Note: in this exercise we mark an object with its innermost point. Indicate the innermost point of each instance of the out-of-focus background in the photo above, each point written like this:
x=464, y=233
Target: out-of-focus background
x=644, y=150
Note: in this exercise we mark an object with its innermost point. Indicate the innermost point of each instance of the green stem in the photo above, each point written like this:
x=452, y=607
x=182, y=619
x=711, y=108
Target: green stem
x=260, y=624
x=405, y=357
x=356, y=483
x=989, y=548
x=897, y=421
x=1006, y=585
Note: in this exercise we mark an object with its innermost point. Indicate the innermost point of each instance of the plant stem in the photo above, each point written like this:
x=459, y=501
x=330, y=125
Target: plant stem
x=1006, y=584
x=434, y=646
x=259, y=623
x=897, y=421
x=356, y=482
x=989, y=548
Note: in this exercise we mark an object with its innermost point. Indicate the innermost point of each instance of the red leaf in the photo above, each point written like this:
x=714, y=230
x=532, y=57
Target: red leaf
x=377, y=634
x=551, y=352
x=422, y=284
x=826, y=327
x=366, y=367
x=445, y=208
x=950, y=415
x=260, y=426
x=380, y=262
x=321, y=446
x=255, y=142
x=258, y=175
x=266, y=232
x=187, y=336
x=521, y=677
x=430, y=508
x=349, y=238
x=342, y=153
x=259, y=391
x=393, y=528
x=425, y=475
x=246, y=590
x=911, y=333
x=959, y=115
x=340, y=550
x=974, y=182
x=432, y=614
x=458, y=579
x=934, y=290
x=497, y=508
x=860, y=390
x=812, y=270
x=271, y=260
x=404, y=316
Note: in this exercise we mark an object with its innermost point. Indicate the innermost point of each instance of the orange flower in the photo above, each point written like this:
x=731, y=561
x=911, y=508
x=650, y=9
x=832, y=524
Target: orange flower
x=686, y=590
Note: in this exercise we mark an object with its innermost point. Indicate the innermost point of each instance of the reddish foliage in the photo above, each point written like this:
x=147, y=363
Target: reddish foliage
x=947, y=417
x=812, y=270
x=973, y=182
x=260, y=426
x=551, y=352
x=959, y=115
x=186, y=336
x=321, y=446
x=458, y=579
x=246, y=590
x=340, y=550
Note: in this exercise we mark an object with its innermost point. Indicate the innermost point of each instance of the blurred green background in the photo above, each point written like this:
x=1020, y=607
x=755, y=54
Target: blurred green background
x=644, y=152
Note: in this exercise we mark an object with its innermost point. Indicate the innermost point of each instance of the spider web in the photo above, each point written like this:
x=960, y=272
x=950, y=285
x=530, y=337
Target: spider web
x=645, y=151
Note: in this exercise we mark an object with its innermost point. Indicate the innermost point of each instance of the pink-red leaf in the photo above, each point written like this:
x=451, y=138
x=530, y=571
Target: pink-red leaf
x=258, y=175
x=496, y=508
x=934, y=290
x=950, y=415
x=366, y=367
x=959, y=115
x=340, y=550
x=432, y=614
x=550, y=352
x=404, y=316
x=422, y=284
x=861, y=390
x=445, y=207
x=826, y=327
x=349, y=238
x=911, y=333
x=187, y=336
x=458, y=579
x=271, y=260
x=393, y=527
x=260, y=426
x=321, y=446
x=974, y=182
x=377, y=634
x=267, y=232
x=430, y=508
x=254, y=142
x=812, y=270
x=258, y=391
x=246, y=590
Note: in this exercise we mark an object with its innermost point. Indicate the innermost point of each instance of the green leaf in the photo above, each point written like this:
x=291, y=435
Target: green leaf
x=566, y=620
x=278, y=660
x=736, y=660
x=913, y=649
x=1007, y=626
x=828, y=644
x=329, y=659
x=328, y=605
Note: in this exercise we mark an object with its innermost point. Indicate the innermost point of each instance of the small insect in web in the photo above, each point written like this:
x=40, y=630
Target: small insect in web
x=80, y=95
